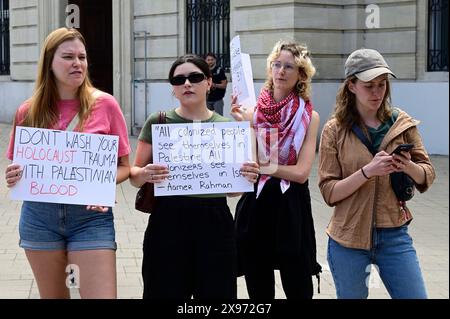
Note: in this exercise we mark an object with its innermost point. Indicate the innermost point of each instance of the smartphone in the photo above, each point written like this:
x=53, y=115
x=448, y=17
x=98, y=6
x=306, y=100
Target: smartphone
x=402, y=148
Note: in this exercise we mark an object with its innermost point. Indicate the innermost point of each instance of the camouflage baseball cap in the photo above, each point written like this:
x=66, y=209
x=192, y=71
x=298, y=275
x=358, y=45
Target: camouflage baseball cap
x=366, y=65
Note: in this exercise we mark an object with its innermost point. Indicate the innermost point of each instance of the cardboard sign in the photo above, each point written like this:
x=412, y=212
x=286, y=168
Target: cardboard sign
x=65, y=167
x=241, y=75
x=203, y=158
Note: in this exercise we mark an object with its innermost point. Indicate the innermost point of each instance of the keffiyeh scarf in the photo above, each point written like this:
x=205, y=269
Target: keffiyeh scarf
x=280, y=130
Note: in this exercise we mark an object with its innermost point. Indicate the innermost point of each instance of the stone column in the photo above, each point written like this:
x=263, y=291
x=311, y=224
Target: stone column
x=122, y=63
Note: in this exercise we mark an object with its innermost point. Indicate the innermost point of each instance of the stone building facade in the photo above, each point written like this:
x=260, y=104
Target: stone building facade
x=147, y=36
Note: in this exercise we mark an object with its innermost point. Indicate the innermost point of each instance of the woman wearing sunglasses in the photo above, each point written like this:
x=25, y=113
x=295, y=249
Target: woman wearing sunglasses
x=278, y=230
x=189, y=245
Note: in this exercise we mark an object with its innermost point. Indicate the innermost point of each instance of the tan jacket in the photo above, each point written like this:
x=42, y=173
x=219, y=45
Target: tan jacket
x=374, y=204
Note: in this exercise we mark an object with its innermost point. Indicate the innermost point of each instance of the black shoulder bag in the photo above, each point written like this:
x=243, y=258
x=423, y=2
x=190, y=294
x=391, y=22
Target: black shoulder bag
x=401, y=183
x=145, y=197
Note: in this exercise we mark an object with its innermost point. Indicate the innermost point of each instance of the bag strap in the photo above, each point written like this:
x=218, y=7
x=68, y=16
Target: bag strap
x=96, y=94
x=363, y=139
x=162, y=117
x=72, y=123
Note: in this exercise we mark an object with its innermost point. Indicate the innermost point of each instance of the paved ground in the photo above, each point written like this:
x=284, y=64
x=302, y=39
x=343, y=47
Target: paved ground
x=430, y=231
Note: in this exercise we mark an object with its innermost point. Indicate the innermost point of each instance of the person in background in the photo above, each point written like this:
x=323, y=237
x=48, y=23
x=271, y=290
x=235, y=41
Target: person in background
x=189, y=244
x=369, y=224
x=277, y=218
x=55, y=235
x=218, y=86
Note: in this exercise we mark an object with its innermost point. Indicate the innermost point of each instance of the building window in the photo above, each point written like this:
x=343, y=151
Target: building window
x=4, y=37
x=208, y=29
x=437, y=35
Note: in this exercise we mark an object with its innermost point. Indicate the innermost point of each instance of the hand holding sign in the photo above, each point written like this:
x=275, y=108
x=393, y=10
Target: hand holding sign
x=250, y=170
x=101, y=209
x=239, y=113
x=155, y=173
x=13, y=174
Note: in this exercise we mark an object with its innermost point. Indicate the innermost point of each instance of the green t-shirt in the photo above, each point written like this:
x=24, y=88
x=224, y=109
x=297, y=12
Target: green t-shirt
x=377, y=134
x=173, y=118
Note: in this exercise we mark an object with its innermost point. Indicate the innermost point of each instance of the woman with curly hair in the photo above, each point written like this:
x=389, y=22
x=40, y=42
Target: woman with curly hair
x=274, y=223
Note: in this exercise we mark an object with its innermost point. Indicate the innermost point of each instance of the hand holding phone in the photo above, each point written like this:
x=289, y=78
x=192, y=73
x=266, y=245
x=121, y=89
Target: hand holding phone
x=402, y=148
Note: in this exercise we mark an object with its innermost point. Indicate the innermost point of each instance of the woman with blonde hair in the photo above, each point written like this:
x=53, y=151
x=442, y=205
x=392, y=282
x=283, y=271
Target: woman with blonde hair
x=357, y=154
x=57, y=235
x=274, y=223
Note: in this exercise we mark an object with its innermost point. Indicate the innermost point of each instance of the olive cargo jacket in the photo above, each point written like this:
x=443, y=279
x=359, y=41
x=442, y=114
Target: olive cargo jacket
x=374, y=204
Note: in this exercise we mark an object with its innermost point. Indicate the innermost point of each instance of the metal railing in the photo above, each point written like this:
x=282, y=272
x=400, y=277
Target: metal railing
x=208, y=29
x=4, y=37
x=437, y=35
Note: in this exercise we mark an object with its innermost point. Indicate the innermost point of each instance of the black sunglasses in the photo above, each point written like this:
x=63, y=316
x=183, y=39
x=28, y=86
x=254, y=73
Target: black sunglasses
x=193, y=78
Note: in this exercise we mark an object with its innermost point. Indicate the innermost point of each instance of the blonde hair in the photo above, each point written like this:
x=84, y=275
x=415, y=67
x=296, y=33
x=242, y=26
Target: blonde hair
x=303, y=62
x=42, y=112
x=345, y=111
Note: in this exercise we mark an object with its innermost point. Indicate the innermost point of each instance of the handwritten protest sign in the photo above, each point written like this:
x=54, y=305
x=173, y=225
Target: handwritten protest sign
x=203, y=158
x=65, y=167
x=241, y=75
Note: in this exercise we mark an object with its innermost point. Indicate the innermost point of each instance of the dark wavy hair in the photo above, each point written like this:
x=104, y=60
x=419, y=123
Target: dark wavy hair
x=195, y=60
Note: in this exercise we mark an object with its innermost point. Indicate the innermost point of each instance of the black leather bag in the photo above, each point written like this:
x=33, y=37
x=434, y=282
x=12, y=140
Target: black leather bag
x=402, y=185
x=145, y=198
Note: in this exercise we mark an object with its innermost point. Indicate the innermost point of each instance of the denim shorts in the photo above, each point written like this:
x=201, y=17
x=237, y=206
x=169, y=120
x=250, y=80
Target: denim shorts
x=51, y=226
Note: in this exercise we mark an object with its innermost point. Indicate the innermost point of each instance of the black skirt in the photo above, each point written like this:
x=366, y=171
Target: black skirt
x=190, y=250
x=276, y=225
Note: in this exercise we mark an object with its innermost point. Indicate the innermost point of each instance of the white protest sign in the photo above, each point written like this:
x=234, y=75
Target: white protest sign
x=203, y=158
x=241, y=75
x=65, y=167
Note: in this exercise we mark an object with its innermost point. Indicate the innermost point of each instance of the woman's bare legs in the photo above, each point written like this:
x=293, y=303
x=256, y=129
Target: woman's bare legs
x=97, y=272
x=49, y=269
